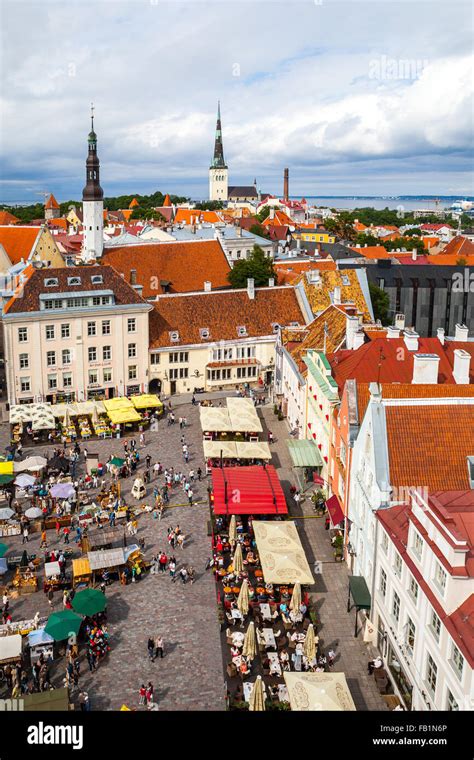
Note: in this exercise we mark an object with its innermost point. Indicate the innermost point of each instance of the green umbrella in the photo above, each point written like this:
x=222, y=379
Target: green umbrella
x=4, y=479
x=117, y=461
x=89, y=601
x=3, y=550
x=63, y=624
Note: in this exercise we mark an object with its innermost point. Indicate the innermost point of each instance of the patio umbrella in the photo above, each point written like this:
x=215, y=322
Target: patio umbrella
x=34, y=463
x=33, y=512
x=233, y=531
x=243, y=598
x=3, y=550
x=249, y=648
x=67, y=418
x=309, y=647
x=6, y=513
x=63, y=624
x=257, y=697
x=237, y=561
x=296, y=598
x=62, y=490
x=24, y=480
x=89, y=602
x=95, y=415
x=117, y=461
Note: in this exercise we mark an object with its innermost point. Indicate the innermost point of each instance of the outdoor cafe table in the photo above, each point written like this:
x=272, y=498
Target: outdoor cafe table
x=266, y=611
x=269, y=637
x=275, y=667
x=248, y=686
x=238, y=639
x=283, y=695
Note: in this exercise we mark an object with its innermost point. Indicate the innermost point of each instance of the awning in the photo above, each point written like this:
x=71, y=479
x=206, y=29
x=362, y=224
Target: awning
x=106, y=558
x=281, y=553
x=146, y=401
x=253, y=490
x=335, y=510
x=121, y=402
x=121, y=416
x=217, y=449
x=318, y=691
x=243, y=415
x=81, y=567
x=6, y=468
x=304, y=454
x=253, y=450
x=215, y=419
x=359, y=592
x=39, y=637
x=10, y=646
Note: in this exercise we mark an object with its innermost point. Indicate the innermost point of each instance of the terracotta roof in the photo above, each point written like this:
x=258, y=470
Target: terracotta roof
x=319, y=296
x=194, y=216
x=279, y=219
x=29, y=300
x=126, y=213
x=430, y=242
x=373, y=252
x=444, y=259
x=222, y=312
x=167, y=200
x=298, y=342
x=18, y=241
x=406, y=390
x=186, y=266
x=59, y=222
x=133, y=203
x=459, y=247
x=51, y=202
x=363, y=363
x=429, y=448
x=290, y=273
x=435, y=227
x=7, y=218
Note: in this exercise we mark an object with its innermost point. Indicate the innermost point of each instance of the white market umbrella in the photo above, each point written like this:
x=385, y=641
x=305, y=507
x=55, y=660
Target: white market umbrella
x=67, y=418
x=95, y=415
x=237, y=560
x=243, y=598
x=33, y=512
x=34, y=463
x=233, y=531
x=295, y=601
x=6, y=513
x=24, y=480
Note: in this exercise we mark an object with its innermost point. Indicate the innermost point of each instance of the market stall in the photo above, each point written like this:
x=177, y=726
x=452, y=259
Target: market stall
x=106, y=559
x=147, y=401
x=40, y=643
x=258, y=488
x=281, y=554
x=214, y=419
x=319, y=691
x=81, y=572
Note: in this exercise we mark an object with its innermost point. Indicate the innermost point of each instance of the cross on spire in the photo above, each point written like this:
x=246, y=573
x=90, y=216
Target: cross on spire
x=92, y=116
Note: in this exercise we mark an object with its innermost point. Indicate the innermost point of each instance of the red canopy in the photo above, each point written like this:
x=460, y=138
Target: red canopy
x=335, y=510
x=253, y=490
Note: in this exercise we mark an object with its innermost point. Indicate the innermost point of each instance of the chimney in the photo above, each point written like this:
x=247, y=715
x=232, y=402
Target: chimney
x=359, y=340
x=400, y=321
x=461, y=333
x=207, y=286
x=425, y=369
x=414, y=254
x=440, y=335
x=352, y=326
x=271, y=282
x=462, y=366
x=272, y=212
x=337, y=295
x=393, y=332
x=411, y=340
x=251, y=288
x=298, y=244
x=286, y=183
x=133, y=277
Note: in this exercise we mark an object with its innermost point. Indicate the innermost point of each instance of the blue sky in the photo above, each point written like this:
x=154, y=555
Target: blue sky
x=354, y=97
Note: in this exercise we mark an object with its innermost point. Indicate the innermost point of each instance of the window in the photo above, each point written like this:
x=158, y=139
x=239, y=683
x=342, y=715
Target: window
x=396, y=606
x=106, y=353
x=203, y=333
x=52, y=382
x=397, y=565
x=73, y=280
x=452, y=705
x=413, y=589
x=22, y=334
x=154, y=358
x=51, y=358
x=431, y=674
x=24, y=361
x=440, y=578
x=385, y=542
x=65, y=331
x=106, y=327
x=132, y=350
x=457, y=661
x=107, y=375
x=91, y=331
x=181, y=373
x=25, y=384
x=241, y=331
x=66, y=356
x=411, y=629
x=97, y=279
x=383, y=582
x=222, y=354
x=51, y=282
x=93, y=377
x=226, y=374
x=131, y=325
x=57, y=303
x=49, y=332
x=245, y=352
x=67, y=379
x=132, y=372
x=179, y=357
x=92, y=353
x=435, y=625
x=417, y=545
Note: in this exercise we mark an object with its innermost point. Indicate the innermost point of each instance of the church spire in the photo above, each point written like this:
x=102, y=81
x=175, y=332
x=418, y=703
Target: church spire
x=218, y=160
x=92, y=190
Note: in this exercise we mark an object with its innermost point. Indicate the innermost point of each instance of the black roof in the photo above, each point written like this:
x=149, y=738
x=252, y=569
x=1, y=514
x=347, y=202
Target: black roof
x=246, y=191
x=391, y=273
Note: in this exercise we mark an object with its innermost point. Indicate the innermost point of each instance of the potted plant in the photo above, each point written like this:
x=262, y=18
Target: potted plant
x=338, y=548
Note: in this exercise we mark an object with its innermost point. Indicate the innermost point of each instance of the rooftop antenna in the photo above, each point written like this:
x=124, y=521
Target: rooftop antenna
x=92, y=116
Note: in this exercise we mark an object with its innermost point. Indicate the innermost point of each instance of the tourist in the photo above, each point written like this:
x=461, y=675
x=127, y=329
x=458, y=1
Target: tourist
x=374, y=664
x=25, y=535
x=172, y=568
x=191, y=574
x=142, y=694
x=160, y=647
x=149, y=693
x=151, y=649
x=331, y=657
x=180, y=539
x=184, y=575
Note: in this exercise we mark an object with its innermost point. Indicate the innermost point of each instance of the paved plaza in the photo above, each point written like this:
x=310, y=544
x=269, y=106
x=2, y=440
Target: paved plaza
x=191, y=675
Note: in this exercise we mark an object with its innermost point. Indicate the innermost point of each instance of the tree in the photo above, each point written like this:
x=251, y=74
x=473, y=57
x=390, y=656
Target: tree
x=209, y=205
x=258, y=229
x=263, y=213
x=139, y=212
x=258, y=266
x=380, y=303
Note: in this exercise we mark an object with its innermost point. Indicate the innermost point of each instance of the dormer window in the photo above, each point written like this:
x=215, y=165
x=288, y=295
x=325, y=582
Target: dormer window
x=73, y=280
x=345, y=280
x=275, y=327
x=97, y=279
x=294, y=324
x=174, y=336
x=51, y=282
x=241, y=331
x=204, y=333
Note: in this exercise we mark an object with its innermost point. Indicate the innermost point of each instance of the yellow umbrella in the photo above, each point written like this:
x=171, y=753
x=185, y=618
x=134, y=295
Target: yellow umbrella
x=257, y=697
x=233, y=531
x=243, y=598
x=296, y=598
x=249, y=648
x=309, y=648
x=237, y=560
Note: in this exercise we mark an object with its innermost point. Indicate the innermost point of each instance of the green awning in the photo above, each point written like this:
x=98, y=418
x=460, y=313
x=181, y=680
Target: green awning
x=304, y=454
x=359, y=591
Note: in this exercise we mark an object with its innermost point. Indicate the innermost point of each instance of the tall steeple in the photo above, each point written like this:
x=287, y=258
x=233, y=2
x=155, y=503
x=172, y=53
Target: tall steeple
x=218, y=160
x=92, y=201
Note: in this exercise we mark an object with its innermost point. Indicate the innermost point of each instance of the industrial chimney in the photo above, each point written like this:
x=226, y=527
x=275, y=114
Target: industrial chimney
x=286, y=185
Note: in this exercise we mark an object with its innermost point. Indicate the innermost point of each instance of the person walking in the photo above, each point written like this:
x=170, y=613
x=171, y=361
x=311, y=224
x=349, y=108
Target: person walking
x=191, y=574
x=149, y=693
x=26, y=533
x=180, y=539
x=50, y=597
x=199, y=473
x=151, y=648
x=160, y=647
x=66, y=532
x=163, y=561
x=142, y=439
x=184, y=575
x=190, y=497
x=172, y=568
x=91, y=659
x=142, y=694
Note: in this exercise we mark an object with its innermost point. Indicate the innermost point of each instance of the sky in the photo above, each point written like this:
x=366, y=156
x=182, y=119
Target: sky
x=358, y=97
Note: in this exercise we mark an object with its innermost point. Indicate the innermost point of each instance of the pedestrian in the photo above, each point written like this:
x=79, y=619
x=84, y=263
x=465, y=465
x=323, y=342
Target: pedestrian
x=185, y=422
x=180, y=423
x=142, y=439
x=184, y=575
x=149, y=693
x=44, y=541
x=163, y=561
x=125, y=447
x=186, y=456
x=331, y=657
x=190, y=497
x=191, y=574
x=327, y=522
x=148, y=461
x=151, y=648
x=26, y=533
x=142, y=694
x=58, y=528
x=199, y=473
x=193, y=400
x=159, y=647
x=50, y=597
x=66, y=532
x=172, y=568
x=180, y=540
x=91, y=659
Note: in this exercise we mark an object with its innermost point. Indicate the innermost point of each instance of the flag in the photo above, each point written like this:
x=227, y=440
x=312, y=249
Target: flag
x=318, y=479
x=370, y=632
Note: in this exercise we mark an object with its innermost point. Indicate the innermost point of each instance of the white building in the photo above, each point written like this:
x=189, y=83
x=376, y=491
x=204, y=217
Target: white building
x=93, y=203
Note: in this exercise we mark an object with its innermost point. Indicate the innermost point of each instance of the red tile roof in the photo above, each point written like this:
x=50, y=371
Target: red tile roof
x=194, y=216
x=7, y=218
x=18, y=241
x=459, y=247
x=405, y=390
x=51, y=202
x=167, y=200
x=222, y=312
x=290, y=273
x=185, y=265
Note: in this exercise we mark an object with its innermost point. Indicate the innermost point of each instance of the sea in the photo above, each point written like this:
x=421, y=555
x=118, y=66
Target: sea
x=401, y=202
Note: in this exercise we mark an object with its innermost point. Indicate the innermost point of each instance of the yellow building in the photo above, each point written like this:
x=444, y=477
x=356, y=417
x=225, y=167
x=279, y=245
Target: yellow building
x=314, y=236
